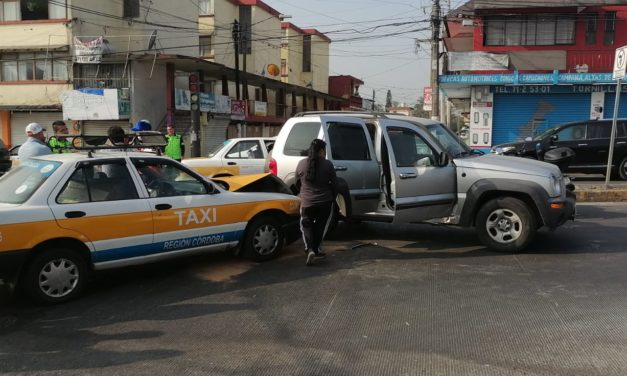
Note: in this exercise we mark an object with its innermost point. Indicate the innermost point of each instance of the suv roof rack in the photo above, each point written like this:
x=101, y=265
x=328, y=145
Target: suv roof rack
x=134, y=141
x=348, y=113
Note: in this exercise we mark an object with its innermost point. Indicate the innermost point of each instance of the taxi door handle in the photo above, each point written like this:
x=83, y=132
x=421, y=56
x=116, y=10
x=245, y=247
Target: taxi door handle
x=582, y=144
x=340, y=168
x=75, y=214
x=163, y=206
x=231, y=163
x=407, y=175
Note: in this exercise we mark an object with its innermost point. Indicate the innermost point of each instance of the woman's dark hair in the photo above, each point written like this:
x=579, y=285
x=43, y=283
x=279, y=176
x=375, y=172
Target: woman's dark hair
x=116, y=134
x=313, y=158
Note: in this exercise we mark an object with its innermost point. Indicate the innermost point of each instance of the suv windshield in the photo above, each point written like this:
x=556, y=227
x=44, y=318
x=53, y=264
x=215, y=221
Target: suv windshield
x=22, y=181
x=449, y=141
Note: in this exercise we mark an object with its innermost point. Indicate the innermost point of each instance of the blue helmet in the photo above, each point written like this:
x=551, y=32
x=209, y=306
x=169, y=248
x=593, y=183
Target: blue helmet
x=141, y=125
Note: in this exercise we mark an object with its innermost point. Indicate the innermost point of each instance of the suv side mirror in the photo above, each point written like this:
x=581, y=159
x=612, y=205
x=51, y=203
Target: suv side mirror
x=554, y=138
x=443, y=159
x=528, y=139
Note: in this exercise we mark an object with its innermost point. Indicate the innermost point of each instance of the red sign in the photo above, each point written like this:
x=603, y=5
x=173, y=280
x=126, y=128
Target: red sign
x=238, y=108
x=427, y=96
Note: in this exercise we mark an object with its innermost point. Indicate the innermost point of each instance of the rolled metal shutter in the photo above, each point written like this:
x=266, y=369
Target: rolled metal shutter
x=608, y=109
x=100, y=127
x=19, y=121
x=517, y=116
x=214, y=133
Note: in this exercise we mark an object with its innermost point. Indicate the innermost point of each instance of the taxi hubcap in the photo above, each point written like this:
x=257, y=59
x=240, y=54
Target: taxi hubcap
x=504, y=226
x=266, y=239
x=58, y=278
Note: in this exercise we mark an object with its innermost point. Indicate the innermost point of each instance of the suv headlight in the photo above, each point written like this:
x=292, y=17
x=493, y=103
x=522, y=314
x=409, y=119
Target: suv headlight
x=557, y=185
x=502, y=149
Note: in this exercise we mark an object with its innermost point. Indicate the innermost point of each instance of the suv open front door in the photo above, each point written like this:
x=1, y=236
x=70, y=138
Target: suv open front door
x=351, y=151
x=419, y=188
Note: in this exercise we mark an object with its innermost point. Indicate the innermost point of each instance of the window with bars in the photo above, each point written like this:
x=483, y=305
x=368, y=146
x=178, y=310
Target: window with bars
x=28, y=10
x=34, y=66
x=306, y=53
x=591, y=28
x=104, y=76
x=529, y=30
x=610, y=28
x=204, y=44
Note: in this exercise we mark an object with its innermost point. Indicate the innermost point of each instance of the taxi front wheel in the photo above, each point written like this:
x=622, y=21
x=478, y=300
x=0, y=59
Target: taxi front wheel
x=264, y=239
x=55, y=276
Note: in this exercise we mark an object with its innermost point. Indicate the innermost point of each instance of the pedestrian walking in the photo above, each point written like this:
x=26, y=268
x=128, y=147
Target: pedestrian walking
x=317, y=182
x=59, y=142
x=175, y=147
x=36, y=143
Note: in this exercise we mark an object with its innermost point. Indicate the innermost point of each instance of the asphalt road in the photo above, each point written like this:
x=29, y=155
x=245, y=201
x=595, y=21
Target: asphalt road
x=388, y=300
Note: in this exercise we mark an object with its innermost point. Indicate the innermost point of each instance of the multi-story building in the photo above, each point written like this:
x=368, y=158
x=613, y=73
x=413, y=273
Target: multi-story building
x=347, y=88
x=103, y=63
x=49, y=48
x=519, y=68
x=305, y=57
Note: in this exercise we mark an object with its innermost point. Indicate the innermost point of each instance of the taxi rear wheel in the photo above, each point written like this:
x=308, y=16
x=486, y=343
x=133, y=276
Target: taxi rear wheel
x=264, y=239
x=55, y=276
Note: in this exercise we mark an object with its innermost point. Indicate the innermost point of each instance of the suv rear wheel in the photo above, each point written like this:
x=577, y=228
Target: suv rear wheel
x=55, y=276
x=505, y=224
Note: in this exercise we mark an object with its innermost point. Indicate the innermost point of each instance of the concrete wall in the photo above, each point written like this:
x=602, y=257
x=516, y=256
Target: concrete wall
x=32, y=94
x=225, y=13
x=320, y=64
x=266, y=46
x=293, y=53
x=34, y=35
x=182, y=39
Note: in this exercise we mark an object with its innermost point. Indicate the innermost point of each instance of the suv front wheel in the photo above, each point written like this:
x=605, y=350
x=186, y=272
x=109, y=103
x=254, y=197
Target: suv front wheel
x=505, y=224
x=622, y=169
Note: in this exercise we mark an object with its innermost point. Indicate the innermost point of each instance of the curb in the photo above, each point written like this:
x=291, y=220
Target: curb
x=600, y=194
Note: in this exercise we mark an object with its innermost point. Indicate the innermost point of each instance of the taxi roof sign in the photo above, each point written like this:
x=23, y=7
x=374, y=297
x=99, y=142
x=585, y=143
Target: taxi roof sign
x=620, y=62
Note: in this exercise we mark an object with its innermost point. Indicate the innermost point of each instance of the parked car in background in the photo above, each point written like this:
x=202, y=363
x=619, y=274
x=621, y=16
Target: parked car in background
x=588, y=139
x=236, y=156
x=64, y=215
x=5, y=158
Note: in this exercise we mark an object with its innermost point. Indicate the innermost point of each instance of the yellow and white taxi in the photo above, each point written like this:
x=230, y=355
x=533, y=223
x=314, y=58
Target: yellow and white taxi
x=65, y=215
x=236, y=156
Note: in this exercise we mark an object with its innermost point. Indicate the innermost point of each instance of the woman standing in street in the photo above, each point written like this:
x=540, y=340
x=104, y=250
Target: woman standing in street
x=317, y=183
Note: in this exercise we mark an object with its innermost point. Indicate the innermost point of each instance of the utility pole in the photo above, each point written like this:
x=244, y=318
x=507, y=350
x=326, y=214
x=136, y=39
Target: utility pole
x=236, y=35
x=372, y=99
x=435, y=59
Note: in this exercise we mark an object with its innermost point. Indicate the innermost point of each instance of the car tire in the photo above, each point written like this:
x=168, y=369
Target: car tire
x=622, y=169
x=55, y=276
x=264, y=239
x=505, y=224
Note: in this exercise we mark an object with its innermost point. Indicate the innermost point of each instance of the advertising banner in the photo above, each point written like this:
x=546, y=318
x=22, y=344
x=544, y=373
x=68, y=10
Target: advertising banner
x=223, y=104
x=238, y=109
x=482, y=106
x=207, y=102
x=96, y=104
x=261, y=108
x=88, y=52
x=182, y=99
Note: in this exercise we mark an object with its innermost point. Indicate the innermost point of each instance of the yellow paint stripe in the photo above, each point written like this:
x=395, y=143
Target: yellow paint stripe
x=27, y=235
x=111, y=226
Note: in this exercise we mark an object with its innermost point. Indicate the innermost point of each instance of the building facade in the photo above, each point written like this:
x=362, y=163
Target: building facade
x=515, y=69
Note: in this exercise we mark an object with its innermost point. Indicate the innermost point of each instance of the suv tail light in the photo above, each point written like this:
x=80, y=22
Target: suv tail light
x=273, y=166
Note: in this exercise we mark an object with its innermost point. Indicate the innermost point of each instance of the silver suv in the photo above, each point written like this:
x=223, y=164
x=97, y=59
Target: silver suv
x=401, y=169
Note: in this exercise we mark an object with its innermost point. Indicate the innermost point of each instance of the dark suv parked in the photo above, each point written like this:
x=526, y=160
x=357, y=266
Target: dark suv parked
x=5, y=159
x=589, y=139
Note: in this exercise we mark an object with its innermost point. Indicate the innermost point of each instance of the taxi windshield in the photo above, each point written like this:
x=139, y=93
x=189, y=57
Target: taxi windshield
x=217, y=149
x=22, y=181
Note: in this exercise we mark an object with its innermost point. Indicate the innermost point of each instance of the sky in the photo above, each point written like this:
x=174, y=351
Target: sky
x=373, y=40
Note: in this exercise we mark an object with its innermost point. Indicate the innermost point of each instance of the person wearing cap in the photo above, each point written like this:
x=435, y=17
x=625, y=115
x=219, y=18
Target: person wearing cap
x=36, y=143
x=175, y=147
x=59, y=142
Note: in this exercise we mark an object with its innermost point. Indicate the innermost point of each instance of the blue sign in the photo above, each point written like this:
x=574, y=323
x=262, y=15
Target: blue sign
x=515, y=78
x=556, y=89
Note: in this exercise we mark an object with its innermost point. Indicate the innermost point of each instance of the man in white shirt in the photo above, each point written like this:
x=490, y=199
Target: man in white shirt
x=36, y=143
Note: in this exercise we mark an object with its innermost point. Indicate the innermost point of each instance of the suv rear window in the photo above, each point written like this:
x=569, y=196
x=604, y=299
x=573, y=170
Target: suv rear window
x=300, y=137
